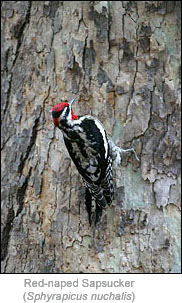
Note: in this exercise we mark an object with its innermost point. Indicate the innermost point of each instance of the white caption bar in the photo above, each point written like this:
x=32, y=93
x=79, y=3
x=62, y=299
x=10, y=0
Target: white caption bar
x=66, y=288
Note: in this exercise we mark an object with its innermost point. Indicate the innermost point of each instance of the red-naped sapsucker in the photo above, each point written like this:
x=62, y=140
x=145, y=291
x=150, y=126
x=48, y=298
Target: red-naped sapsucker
x=92, y=153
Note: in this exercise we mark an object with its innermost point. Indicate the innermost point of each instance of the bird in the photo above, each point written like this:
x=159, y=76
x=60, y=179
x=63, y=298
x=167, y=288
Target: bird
x=92, y=152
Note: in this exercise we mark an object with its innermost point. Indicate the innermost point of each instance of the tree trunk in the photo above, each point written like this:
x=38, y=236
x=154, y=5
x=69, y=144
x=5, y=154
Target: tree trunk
x=122, y=61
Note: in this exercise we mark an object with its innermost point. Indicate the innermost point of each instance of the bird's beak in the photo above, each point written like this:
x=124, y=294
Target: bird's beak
x=71, y=101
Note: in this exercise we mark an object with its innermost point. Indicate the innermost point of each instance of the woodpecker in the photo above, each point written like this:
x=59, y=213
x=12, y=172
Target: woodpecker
x=92, y=153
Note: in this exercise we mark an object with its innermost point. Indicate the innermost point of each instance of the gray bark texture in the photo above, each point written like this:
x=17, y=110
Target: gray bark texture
x=122, y=61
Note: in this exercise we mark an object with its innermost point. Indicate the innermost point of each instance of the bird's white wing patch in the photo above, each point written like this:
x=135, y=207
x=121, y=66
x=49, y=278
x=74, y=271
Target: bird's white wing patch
x=101, y=129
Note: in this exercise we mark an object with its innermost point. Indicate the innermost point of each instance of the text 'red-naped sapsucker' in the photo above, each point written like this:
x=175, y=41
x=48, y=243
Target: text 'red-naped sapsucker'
x=92, y=153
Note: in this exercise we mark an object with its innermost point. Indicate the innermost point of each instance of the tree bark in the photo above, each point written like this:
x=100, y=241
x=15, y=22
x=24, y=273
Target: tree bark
x=122, y=61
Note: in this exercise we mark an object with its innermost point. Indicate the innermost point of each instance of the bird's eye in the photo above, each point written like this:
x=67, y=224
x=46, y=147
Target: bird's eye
x=56, y=114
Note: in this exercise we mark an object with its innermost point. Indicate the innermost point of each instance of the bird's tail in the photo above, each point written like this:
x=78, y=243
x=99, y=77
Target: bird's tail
x=100, y=200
